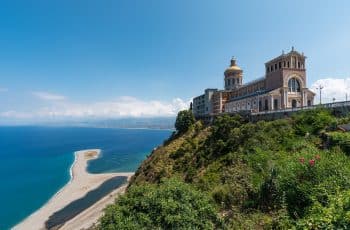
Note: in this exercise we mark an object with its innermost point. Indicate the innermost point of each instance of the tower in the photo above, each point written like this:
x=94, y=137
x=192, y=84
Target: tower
x=233, y=76
x=288, y=73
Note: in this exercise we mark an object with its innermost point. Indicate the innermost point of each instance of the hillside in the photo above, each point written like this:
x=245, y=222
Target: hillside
x=288, y=173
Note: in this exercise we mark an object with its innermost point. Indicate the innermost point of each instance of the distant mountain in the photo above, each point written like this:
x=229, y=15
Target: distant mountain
x=131, y=123
x=147, y=123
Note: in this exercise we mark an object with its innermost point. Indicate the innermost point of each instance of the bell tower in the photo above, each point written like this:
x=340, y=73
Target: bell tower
x=233, y=76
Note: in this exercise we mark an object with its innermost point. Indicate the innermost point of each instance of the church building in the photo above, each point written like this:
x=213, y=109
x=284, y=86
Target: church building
x=282, y=87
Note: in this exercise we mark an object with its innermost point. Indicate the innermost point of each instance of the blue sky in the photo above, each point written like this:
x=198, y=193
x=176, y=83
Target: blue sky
x=148, y=58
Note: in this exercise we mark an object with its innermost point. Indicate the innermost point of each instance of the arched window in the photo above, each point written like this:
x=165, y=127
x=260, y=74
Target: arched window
x=293, y=85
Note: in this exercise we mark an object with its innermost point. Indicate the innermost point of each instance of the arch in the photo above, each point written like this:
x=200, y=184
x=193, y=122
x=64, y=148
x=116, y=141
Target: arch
x=297, y=77
x=293, y=85
x=308, y=102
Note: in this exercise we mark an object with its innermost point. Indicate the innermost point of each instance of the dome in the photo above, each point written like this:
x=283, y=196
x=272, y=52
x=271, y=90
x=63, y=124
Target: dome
x=233, y=68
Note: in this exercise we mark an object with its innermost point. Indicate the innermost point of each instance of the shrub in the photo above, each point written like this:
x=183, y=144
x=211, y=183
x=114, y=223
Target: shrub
x=340, y=139
x=223, y=125
x=170, y=205
x=269, y=197
x=312, y=121
x=334, y=215
x=309, y=175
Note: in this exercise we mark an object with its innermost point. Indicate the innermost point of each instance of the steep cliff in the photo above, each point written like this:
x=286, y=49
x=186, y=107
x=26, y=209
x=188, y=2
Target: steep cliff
x=264, y=175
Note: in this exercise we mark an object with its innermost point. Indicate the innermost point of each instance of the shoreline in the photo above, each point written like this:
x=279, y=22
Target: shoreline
x=61, y=189
x=80, y=184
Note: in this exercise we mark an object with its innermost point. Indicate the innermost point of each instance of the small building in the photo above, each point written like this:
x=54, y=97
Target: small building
x=202, y=105
x=283, y=86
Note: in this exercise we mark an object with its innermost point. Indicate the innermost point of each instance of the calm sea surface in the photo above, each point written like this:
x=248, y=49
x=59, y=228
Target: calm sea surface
x=35, y=161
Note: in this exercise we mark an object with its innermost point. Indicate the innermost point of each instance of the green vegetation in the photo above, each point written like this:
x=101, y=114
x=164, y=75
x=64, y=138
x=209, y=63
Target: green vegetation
x=334, y=215
x=313, y=121
x=341, y=140
x=284, y=174
x=170, y=205
x=184, y=121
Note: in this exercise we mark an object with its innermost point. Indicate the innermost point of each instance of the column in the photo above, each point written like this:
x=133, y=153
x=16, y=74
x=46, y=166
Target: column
x=285, y=99
x=272, y=105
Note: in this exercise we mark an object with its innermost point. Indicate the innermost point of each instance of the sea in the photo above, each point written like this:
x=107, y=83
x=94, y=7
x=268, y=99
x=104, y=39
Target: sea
x=35, y=161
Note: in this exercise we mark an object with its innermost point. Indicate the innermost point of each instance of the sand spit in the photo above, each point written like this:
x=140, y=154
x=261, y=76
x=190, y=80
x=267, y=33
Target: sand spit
x=80, y=184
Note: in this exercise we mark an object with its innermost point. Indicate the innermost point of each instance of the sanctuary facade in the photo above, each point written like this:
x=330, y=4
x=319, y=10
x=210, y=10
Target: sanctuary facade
x=283, y=86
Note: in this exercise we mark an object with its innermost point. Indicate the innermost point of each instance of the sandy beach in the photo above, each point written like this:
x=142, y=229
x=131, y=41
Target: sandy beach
x=80, y=184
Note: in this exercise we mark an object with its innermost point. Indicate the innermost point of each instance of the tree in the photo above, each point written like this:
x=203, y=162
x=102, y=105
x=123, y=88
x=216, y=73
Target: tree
x=184, y=121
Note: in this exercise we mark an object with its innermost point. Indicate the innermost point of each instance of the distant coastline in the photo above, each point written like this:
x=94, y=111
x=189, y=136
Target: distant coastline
x=161, y=123
x=81, y=185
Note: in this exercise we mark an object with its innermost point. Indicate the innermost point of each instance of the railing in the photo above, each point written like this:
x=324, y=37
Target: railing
x=327, y=105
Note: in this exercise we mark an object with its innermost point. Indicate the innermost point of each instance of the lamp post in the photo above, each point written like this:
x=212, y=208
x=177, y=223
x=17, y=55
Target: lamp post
x=320, y=87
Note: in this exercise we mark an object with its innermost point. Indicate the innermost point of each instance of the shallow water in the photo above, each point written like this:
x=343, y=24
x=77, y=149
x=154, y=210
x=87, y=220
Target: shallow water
x=35, y=161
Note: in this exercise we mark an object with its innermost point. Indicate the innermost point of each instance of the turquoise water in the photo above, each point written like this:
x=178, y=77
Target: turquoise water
x=35, y=161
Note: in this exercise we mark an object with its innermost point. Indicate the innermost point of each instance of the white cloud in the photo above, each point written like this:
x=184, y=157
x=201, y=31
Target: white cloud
x=126, y=106
x=3, y=90
x=48, y=96
x=333, y=88
x=15, y=114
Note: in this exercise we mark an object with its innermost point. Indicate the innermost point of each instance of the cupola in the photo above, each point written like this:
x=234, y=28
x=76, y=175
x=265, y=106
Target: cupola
x=233, y=75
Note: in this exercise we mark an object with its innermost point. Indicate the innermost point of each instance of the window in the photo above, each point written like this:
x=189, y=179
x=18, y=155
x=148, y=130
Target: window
x=266, y=104
x=284, y=64
x=271, y=68
x=293, y=85
x=280, y=65
x=229, y=82
x=288, y=64
x=260, y=106
x=275, y=66
x=275, y=104
x=298, y=65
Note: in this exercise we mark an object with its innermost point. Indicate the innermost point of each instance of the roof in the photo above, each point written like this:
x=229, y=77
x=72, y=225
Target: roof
x=233, y=67
x=254, y=81
x=344, y=127
x=256, y=93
